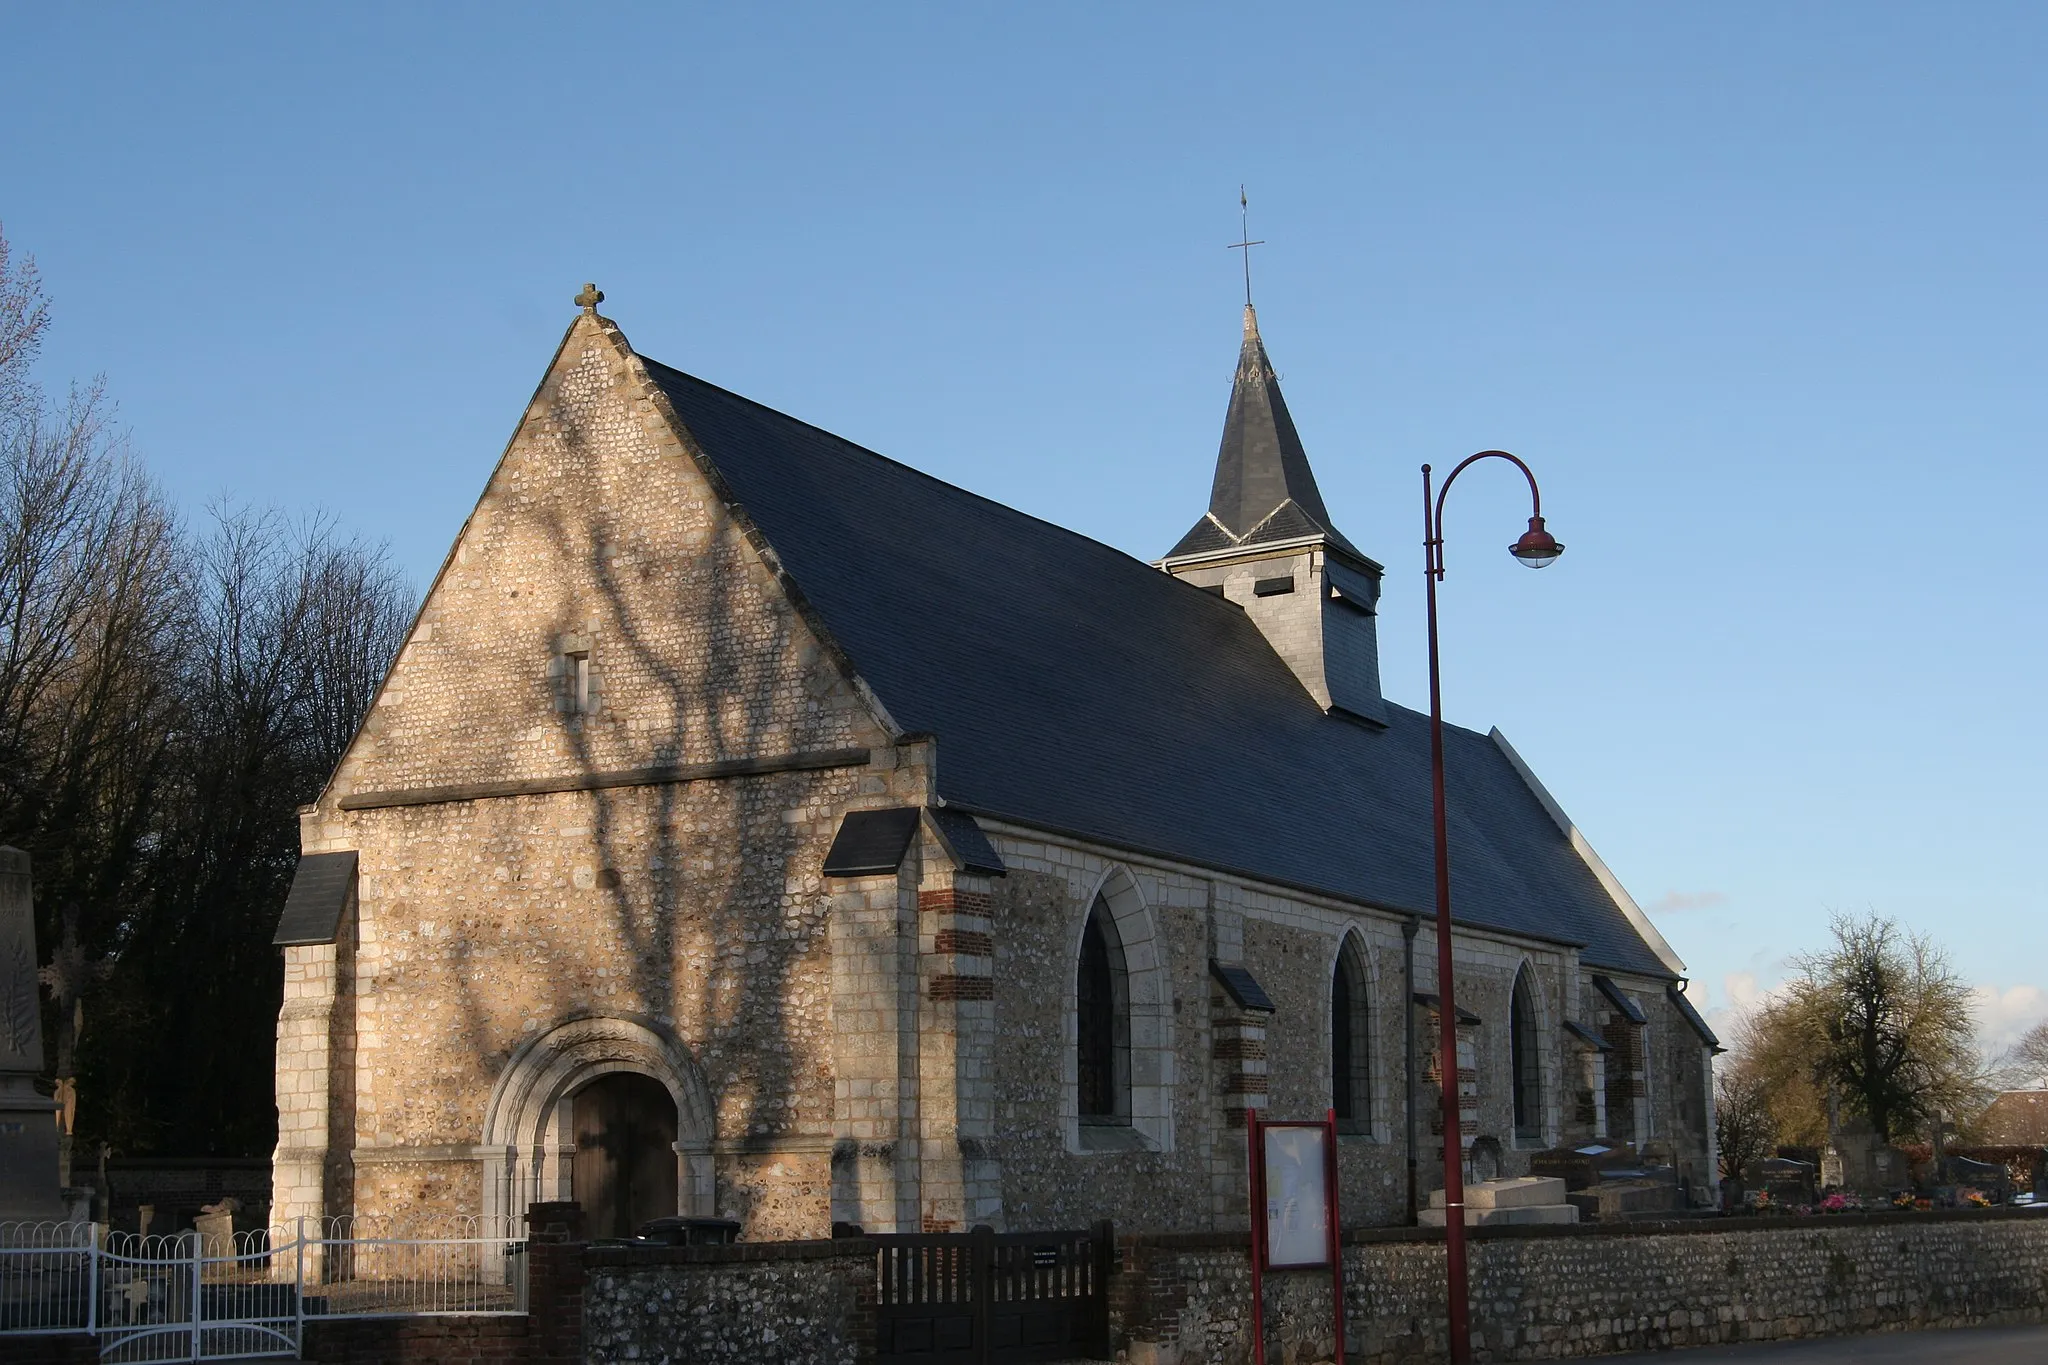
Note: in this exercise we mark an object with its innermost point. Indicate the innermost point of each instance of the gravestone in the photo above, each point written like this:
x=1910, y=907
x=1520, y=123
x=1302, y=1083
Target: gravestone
x=1987, y=1178
x=1789, y=1183
x=216, y=1228
x=1831, y=1171
x=1871, y=1166
x=1484, y=1161
x=28, y=1121
x=1581, y=1167
x=1608, y=1184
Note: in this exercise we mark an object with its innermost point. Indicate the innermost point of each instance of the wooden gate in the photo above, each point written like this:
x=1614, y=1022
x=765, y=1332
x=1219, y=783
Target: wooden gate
x=990, y=1298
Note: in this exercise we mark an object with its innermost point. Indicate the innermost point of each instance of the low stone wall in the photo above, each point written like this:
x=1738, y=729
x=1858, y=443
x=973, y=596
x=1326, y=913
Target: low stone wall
x=753, y=1302
x=1544, y=1293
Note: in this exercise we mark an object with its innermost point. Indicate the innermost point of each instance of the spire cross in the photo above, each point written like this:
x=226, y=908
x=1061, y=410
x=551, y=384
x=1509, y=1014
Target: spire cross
x=1244, y=213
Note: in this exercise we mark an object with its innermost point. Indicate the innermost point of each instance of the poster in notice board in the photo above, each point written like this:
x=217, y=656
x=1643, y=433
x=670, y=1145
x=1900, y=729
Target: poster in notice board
x=1297, y=1195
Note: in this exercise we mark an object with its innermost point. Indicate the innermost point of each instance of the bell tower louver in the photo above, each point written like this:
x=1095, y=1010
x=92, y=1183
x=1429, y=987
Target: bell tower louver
x=1267, y=544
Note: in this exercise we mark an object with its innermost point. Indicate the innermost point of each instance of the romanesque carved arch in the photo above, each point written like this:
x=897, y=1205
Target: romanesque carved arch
x=1147, y=999
x=527, y=1123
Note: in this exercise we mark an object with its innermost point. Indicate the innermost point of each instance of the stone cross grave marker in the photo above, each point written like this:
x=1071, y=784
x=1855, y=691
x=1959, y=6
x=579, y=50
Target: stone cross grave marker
x=28, y=1125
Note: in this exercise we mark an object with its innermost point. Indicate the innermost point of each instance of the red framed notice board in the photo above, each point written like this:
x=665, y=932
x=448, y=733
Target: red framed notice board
x=1295, y=1225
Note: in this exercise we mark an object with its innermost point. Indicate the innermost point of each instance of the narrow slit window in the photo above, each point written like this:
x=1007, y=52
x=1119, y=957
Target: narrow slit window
x=1350, y=1041
x=1526, y=1062
x=1102, y=1035
x=576, y=685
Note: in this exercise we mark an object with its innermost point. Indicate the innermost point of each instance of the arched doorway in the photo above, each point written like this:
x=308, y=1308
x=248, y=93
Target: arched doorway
x=529, y=1138
x=624, y=1171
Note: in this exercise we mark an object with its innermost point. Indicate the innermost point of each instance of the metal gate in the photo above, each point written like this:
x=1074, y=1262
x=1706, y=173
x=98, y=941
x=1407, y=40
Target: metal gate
x=192, y=1297
x=990, y=1298
x=238, y=1296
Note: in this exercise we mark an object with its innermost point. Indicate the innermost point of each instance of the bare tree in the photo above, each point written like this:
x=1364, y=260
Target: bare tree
x=24, y=316
x=167, y=701
x=291, y=627
x=2024, y=1066
x=1745, y=1132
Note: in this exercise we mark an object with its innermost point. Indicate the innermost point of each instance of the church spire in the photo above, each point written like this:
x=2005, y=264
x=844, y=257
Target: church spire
x=1264, y=490
x=1267, y=545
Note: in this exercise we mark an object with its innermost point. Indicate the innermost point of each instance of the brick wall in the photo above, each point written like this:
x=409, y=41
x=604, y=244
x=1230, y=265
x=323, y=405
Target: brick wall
x=76, y=1348
x=550, y=1333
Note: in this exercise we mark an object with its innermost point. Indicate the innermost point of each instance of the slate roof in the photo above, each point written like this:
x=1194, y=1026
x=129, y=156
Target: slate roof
x=1076, y=689
x=313, y=908
x=1264, y=489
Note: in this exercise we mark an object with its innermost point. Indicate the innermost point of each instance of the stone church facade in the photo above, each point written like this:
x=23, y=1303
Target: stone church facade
x=754, y=827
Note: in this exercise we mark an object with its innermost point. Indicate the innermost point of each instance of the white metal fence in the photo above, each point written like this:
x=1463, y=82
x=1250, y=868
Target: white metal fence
x=195, y=1296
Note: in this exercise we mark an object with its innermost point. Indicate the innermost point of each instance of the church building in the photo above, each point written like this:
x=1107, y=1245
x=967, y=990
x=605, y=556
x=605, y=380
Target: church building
x=754, y=826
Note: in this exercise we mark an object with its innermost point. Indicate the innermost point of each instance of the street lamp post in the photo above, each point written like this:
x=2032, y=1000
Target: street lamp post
x=1537, y=548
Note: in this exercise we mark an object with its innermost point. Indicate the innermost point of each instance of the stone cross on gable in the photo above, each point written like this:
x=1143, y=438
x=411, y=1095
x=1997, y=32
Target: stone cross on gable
x=590, y=297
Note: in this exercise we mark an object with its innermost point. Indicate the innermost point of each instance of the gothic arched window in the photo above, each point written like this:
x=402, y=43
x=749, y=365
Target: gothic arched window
x=1351, y=1039
x=1102, y=1037
x=1525, y=1061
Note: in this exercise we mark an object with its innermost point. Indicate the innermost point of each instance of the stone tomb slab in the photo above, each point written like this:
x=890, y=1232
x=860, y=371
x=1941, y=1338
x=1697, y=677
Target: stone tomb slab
x=1489, y=1203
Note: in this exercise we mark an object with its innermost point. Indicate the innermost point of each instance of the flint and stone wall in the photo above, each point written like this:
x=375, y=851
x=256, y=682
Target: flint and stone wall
x=795, y=1301
x=695, y=910
x=1554, y=1293
x=1188, y=1172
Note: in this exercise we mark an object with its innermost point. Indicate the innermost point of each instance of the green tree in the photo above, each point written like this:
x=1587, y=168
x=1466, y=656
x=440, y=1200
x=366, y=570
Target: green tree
x=1881, y=1017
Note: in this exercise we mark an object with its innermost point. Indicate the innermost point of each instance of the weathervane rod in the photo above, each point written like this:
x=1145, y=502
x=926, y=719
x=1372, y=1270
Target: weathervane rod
x=1244, y=217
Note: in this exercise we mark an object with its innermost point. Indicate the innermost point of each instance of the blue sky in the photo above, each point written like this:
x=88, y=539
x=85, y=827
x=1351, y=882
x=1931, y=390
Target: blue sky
x=1757, y=289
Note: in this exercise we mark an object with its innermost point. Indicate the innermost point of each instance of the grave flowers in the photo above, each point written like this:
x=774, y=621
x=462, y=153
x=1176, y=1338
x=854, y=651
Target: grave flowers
x=1976, y=1199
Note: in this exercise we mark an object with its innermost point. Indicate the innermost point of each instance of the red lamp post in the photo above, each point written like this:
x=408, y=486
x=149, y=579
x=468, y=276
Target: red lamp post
x=1537, y=548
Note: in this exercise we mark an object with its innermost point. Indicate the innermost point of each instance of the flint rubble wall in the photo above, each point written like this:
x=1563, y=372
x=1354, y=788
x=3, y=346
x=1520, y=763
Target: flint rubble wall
x=1555, y=1293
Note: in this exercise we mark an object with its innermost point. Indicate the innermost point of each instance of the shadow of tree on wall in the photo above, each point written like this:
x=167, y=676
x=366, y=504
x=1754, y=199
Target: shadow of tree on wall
x=697, y=913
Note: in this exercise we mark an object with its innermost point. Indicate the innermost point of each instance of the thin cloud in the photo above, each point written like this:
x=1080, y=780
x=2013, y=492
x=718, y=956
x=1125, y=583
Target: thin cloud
x=1689, y=900
x=2006, y=1012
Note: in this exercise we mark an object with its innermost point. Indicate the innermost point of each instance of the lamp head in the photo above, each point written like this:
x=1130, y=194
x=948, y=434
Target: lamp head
x=1537, y=548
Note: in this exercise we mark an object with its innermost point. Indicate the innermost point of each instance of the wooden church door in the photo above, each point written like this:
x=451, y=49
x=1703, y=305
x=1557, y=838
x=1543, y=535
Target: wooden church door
x=625, y=1171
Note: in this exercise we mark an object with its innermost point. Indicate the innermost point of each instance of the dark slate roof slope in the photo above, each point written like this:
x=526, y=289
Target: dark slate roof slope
x=1077, y=689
